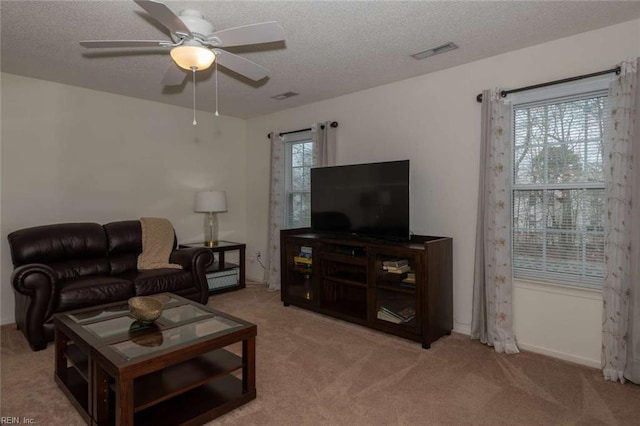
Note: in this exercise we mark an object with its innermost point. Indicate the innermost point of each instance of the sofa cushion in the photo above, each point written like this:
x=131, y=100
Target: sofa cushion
x=83, y=292
x=70, y=249
x=124, y=241
x=159, y=280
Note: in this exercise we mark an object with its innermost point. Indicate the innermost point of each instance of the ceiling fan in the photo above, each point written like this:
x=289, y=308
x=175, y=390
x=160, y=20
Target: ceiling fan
x=190, y=30
x=195, y=46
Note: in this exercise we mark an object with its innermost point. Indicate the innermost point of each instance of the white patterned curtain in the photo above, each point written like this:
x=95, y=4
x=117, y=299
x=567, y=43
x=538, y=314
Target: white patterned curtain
x=324, y=147
x=276, y=210
x=492, y=319
x=324, y=144
x=621, y=292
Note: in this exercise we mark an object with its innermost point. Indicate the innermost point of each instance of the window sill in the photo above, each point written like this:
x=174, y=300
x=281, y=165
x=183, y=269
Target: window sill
x=555, y=288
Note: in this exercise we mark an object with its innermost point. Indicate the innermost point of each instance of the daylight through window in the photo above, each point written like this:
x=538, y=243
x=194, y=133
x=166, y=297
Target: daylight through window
x=558, y=189
x=298, y=181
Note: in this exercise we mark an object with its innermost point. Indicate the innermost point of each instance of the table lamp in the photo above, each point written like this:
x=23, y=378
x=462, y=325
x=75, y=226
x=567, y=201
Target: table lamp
x=211, y=202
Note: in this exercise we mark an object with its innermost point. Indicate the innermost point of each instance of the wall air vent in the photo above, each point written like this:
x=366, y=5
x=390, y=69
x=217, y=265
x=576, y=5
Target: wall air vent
x=435, y=51
x=284, y=95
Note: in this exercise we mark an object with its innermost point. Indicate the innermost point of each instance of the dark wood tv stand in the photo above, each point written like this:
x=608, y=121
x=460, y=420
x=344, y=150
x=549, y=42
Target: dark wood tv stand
x=365, y=281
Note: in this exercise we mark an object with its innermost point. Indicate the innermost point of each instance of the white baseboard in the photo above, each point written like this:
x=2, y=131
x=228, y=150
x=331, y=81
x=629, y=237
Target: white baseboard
x=462, y=328
x=254, y=279
x=595, y=363
x=5, y=321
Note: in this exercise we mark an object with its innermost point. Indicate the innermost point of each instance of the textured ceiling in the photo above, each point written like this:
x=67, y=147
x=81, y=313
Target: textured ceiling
x=332, y=48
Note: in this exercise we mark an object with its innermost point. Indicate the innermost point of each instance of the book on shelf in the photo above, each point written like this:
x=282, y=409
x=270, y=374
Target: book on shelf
x=410, y=279
x=386, y=317
x=398, y=269
x=394, y=263
x=303, y=260
x=405, y=314
x=397, y=317
x=306, y=250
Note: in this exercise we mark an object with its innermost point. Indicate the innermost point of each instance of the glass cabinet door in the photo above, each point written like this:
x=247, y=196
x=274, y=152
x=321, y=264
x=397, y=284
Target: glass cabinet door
x=300, y=283
x=396, y=293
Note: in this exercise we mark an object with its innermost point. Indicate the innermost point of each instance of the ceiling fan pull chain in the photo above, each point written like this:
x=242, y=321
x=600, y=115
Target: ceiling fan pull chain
x=215, y=70
x=193, y=69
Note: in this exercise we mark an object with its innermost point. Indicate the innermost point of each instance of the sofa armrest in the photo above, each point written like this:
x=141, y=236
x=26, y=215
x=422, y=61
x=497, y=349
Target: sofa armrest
x=196, y=260
x=37, y=284
x=37, y=281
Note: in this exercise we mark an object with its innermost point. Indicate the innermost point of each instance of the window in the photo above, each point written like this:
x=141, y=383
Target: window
x=298, y=163
x=558, y=187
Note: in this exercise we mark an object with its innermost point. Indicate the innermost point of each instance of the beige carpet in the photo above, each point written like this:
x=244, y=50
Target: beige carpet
x=314, y=370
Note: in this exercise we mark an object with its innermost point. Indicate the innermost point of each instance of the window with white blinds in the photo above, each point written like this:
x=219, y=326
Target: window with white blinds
x=298, y=163
x=558, y=189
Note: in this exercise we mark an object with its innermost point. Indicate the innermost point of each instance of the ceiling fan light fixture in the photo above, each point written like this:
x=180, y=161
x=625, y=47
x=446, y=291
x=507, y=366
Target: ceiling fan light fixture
x=190, y=57
x=192, y=39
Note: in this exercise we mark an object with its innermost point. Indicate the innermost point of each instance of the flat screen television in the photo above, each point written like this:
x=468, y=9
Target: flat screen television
x=369, y=200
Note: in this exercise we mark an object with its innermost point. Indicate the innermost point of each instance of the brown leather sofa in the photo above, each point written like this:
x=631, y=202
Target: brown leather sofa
x=68, y=266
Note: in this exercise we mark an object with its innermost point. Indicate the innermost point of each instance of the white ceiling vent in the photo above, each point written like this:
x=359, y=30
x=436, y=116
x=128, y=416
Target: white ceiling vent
x=285, y=95
x=435, y=51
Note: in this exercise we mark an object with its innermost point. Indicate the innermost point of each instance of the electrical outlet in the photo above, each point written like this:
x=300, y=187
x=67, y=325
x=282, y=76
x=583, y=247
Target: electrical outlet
x=255, y=258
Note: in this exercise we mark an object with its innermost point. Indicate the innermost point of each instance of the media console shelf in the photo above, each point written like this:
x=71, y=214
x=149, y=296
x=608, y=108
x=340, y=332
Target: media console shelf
x=402, y=288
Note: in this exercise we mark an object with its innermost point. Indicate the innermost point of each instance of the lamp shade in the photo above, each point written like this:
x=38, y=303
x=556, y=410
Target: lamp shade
x=189, y=57
x=211, y=201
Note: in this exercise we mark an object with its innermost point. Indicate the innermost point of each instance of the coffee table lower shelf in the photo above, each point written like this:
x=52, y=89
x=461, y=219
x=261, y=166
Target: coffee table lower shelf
x=205, y=402
x=199, y=405
x=204, y=384
x=75, y=387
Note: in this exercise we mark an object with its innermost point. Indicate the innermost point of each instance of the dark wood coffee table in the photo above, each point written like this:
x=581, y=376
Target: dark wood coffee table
x=174, y=371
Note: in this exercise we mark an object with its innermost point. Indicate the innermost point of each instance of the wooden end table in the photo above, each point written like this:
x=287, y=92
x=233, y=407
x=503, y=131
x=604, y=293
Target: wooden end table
x=220, y=265
x=174, y=371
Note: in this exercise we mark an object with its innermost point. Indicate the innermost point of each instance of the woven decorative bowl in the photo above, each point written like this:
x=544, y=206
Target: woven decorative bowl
x=145, y=309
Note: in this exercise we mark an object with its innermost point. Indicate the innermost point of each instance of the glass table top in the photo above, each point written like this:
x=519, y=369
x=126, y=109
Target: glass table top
x=182, y=313
x=100, y=313
x=113, y=331
x=116, y=334
x=148, y=343
x=112, y=321
x=113, y=327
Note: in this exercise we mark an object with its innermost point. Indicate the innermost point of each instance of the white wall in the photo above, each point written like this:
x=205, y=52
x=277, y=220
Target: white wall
x=434, y=120
x=559, y=321
x=72, y=154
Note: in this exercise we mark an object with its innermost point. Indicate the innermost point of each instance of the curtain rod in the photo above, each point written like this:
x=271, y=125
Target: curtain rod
x=333, y=124
x=504, y=93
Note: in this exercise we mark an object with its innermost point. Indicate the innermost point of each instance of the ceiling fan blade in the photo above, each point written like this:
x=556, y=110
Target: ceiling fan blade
x=161, y=13
x=125, y=43
x=174, y=76
x=241, y=65
x=265, y=32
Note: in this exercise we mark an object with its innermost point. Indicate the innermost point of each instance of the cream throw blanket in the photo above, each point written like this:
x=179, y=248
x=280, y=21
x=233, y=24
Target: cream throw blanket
x=157, y=244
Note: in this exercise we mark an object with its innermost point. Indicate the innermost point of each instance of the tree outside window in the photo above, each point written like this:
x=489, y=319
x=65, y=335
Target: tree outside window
x=298, y=187
x=558, y=189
